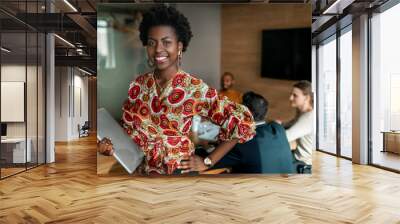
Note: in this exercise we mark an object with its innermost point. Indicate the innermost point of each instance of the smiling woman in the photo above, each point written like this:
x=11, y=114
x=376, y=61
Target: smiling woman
x=162, y=103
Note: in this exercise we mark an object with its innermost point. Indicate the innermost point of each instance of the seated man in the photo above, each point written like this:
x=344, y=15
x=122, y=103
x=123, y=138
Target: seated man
x=267, y=152
x=227, y=83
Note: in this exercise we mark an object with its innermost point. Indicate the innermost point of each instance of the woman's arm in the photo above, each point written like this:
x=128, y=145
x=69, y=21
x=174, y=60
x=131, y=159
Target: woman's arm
x=196, y=163
x=302, y=127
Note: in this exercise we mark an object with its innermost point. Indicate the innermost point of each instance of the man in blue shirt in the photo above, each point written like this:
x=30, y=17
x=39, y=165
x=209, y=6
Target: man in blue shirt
x=267, y=152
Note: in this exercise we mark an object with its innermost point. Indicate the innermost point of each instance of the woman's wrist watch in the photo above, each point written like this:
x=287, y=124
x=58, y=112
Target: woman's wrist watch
x=207, y=161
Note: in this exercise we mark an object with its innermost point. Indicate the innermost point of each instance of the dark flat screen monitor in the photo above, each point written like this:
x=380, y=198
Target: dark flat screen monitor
x=3, y=129
x=286, y=54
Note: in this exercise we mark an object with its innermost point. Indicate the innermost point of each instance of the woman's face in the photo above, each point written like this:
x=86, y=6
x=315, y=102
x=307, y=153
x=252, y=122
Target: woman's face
x=163, y=47
x=298, y=99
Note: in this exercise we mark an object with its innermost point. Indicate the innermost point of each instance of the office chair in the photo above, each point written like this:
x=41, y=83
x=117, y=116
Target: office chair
x=84, y=130
x=303, y=169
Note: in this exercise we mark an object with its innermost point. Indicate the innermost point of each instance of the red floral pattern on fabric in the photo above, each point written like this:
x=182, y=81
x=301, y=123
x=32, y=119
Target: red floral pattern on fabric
x=197, y=94
x=140, y=79
x=155, y=104
x=136, y=121
x=160, y=124
x=150, y=83
x=144, y=110
x=155, y=119
x=178, y=80
x=173, y=140
x=170, y=132
x=211, y=93
x=188, y=107
x=198, y=107
x=176, y=96
x=187, y=126
x=164, y=122
x=195, y=81
x=218, y=118
x=152, y=130
x=174, y=125
x=134, y=92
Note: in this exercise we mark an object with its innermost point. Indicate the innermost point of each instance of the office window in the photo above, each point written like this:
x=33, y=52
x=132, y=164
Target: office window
x=327, y=96
x=346, y=93
x=106, y=51
x=385, y=88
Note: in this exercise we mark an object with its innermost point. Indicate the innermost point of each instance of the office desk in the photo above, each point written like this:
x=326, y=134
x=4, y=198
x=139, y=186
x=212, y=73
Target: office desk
x=13, y=150
x=391, y=141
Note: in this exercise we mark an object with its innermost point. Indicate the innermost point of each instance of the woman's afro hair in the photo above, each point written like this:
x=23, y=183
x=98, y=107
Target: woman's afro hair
x=163, y=15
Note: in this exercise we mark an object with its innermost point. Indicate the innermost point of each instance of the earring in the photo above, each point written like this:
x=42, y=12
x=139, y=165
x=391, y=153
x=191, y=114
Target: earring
x=179, y=58
x=150, y=63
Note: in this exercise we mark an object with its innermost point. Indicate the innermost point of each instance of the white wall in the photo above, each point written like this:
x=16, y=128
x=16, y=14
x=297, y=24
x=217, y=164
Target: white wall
x=202, y=57
x=14, y=73
x=33, y=126
x=68, y=83
x=61, y=103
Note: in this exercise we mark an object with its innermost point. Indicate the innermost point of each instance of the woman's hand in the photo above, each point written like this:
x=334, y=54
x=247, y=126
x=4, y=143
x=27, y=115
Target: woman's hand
x=293, y=145
x=105, y=147
x=192, y=163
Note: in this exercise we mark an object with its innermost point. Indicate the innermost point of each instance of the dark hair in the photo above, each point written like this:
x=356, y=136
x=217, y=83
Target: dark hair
x=169, y=16
x=257, y=105
x=306, y=88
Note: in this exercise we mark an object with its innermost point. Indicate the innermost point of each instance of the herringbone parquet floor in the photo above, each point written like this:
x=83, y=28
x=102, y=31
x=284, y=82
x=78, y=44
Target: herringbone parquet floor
x=69, y=191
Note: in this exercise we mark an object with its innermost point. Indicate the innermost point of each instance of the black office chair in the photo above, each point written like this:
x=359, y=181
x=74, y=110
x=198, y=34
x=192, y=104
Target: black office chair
x=84, y=130
x=303, y=169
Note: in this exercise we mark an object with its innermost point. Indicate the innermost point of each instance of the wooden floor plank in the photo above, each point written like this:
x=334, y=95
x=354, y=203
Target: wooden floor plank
x=70, y=191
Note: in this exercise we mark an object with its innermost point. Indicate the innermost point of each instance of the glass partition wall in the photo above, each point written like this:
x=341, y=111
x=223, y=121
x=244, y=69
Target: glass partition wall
x=22, y=77
x=385, y=89
x=326, y=95
x=334, y=94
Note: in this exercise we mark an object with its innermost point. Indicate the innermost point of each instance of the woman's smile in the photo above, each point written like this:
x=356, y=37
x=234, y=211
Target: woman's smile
x=160, y=59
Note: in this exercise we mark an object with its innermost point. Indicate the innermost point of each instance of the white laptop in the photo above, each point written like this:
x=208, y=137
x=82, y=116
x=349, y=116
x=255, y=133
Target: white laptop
x=206, y=129
x=126, y=151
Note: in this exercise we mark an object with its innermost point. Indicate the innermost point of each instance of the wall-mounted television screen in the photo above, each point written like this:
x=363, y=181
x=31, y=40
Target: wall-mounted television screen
x=286, y=54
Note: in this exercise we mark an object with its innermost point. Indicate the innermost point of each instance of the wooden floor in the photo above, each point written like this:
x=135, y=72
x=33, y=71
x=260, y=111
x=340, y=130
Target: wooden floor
x=69, y=191
x=387, y=159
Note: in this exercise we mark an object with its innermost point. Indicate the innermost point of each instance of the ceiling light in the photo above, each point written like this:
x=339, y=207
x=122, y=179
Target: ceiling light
x=65, y=41
x=70, y=5
x=84, y=71
x=337, y=7
x=5, y=50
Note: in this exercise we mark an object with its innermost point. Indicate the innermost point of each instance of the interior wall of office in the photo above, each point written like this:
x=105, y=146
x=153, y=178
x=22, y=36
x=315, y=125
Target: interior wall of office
x=71, y=102
x=242, y=27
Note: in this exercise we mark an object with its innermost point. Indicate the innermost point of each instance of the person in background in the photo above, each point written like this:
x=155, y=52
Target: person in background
x=299, y=130
x=267, y=152
x=162, y=103
x=227, y=82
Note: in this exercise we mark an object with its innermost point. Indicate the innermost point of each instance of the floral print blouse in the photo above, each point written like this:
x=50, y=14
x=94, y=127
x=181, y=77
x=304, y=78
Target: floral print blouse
x=161, y=124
